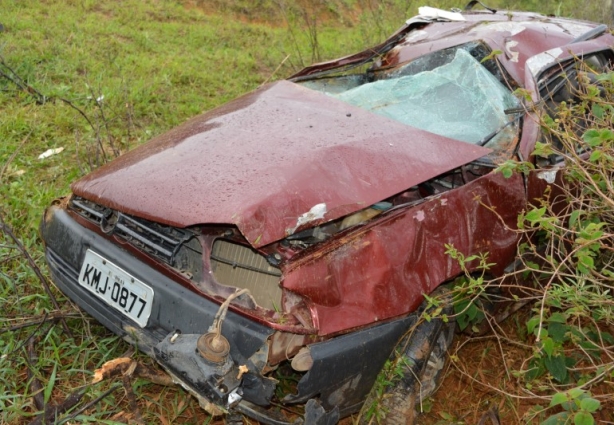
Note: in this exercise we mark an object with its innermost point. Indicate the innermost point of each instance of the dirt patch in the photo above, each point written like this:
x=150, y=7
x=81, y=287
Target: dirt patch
x=483, y=377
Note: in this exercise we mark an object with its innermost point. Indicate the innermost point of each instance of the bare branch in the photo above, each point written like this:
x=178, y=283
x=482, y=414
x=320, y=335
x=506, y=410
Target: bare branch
x=7, y=230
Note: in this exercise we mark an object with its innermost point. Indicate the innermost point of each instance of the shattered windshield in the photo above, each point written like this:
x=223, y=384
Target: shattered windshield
x=458, y=98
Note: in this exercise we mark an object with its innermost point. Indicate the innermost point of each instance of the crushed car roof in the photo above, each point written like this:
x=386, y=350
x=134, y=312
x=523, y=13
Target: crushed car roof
x=518, y=35
x=271, y=162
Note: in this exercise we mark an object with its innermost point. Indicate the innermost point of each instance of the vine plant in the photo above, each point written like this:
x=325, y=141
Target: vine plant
x=567, y=254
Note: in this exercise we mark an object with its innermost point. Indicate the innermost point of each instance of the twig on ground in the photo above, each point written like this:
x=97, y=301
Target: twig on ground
x=6, y=260
x=275, y=71
x=105, y=123
x=13, y=155
x=131, y=397
x=25, y=341
x=52, y=411
x=492, y=414
x=491, y=323
x=49, y=411
x=531, y=396
x=41, y=99
x=7, y=230
x=91, y=124
x=35, y=386
x=51, y=317
x=13, y=77
x=90, y=404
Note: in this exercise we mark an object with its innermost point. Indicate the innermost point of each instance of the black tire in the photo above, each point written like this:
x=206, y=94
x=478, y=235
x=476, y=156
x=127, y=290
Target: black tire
x=425, y=353
x=433, y=373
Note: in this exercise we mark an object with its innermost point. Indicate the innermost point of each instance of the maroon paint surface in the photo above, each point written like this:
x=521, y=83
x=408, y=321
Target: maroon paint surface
x=382, y=271
x=265, y=159
x=539, y=33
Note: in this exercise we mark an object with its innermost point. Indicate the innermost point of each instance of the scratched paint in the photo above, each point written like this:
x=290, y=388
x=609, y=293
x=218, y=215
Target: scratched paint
x=382, y=270
x=542, y=60
x=316, y=212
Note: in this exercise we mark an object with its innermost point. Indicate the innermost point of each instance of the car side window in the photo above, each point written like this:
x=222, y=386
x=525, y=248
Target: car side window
x=566, y=83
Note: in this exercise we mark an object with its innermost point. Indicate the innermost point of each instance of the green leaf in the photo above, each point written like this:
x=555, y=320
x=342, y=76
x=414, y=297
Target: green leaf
x=556, y=367
x=609, y=76
x=507, y=168
x=492, y=55
x=558, y=398
x=447, y=416
x=598, y=110
x=585, y=263
x=557, y=331
x=583, y=418
x=575, y=393
x=595, y=156
x=592, y=91
x=598, y=137
x=50, y=385
x=542, y=149
x=541, y=333
x=557, y=317
x=558, y=419
x=606, y=135
x=532, y=323
x=548, y=346
x=471, y=258
x=592, y=138
x=590, y=405
x=607, y=337
x=462, y=318
x=573, y=217
x=535, y=215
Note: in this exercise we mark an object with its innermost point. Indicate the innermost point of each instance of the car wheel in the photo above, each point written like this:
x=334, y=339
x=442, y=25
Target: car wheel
x=424, y=356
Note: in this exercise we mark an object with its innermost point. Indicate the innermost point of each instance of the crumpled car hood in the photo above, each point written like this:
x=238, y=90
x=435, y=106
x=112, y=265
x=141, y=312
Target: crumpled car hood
x=274, y=161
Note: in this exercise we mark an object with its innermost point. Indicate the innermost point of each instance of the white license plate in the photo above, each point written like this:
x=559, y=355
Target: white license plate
x=116, y=287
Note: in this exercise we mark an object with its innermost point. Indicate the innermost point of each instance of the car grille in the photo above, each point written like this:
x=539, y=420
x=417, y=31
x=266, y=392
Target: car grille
x=162, y=242
x=240, y=266
x=232, y=264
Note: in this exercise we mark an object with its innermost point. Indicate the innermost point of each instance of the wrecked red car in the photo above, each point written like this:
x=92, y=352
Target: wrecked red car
x=298, y=227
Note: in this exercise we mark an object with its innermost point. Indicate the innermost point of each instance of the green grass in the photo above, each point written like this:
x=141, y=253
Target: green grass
x=153, y=64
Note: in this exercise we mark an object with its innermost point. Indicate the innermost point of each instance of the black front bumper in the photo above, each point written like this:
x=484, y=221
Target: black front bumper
x=175, y=311
x=343, y=371
x=175, y=307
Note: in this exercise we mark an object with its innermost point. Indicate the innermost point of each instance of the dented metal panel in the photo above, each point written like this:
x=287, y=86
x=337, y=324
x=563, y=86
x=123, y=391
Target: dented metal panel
x=225, y=166
x=382, y=271
x=519, y=35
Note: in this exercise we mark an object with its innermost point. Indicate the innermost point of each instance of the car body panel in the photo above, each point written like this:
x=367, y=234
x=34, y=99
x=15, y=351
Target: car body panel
x=518, y=35
x=382, y=271
x=225, y=166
